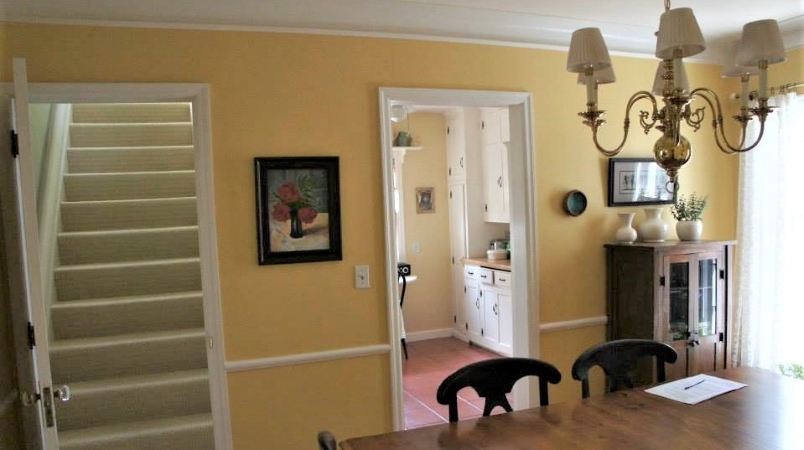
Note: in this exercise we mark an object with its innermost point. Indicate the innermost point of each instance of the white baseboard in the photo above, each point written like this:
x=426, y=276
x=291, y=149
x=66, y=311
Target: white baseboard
x=429, y=334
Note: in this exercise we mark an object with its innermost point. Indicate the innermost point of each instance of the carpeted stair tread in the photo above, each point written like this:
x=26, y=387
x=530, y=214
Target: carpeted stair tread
x=192, y=432
x=90, y=247
x=128, y=214
x=130, y=159
x=125, y=315
x=129, y=185
x=135, y=398
x=131, y=112
x=130, y=134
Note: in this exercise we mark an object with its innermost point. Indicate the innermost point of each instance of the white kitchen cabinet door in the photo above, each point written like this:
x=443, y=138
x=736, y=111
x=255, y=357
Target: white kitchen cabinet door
x=473, y=303
x=495, y=183
x=506, y=318
x=456, y=149
x=491, y=318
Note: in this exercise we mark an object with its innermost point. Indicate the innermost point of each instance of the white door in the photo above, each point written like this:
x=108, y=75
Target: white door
x=27, y=307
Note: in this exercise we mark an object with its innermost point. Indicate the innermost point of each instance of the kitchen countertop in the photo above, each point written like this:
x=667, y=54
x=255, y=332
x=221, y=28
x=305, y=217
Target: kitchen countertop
x=500, y=264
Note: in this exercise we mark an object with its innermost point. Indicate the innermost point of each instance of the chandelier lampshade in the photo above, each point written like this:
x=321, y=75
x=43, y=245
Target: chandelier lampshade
x=602, y=76
x=588, y=51
x=761, y=41
x=661, y=71
x=730, y=66
x=679, y=35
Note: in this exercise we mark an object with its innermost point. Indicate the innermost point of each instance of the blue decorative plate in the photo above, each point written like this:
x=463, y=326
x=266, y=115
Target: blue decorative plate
x=575, y=203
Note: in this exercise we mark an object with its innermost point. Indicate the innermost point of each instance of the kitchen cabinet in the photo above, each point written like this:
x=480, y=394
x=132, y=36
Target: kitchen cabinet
x=495, y=135
x=489, y=308
x=470, y=234
x=674, y=292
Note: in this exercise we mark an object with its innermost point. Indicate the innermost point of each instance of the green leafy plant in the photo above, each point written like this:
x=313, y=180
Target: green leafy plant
x=689, y=208
x=792, y=370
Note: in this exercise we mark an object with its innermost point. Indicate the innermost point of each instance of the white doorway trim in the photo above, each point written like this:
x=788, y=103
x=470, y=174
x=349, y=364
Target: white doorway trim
x=524, y=258
x=198, y=95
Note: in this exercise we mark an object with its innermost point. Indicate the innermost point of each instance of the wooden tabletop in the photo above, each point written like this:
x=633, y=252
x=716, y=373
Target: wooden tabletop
x=767, y=414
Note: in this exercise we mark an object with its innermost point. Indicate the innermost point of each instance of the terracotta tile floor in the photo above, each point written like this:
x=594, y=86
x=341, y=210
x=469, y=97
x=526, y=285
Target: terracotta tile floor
x=428, y=363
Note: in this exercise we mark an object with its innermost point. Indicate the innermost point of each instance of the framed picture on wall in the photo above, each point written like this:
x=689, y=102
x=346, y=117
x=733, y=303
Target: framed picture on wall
x=298, y=209
x=638, y=181
x=425, y=200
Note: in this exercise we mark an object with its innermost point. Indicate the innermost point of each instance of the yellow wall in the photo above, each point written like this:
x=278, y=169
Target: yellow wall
x=293, y=95
x=428, y=305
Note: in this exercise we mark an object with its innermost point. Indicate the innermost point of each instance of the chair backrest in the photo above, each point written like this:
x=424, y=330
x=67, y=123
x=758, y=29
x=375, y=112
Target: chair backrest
x=326, y=441
x=619, y=359
x=494, y=378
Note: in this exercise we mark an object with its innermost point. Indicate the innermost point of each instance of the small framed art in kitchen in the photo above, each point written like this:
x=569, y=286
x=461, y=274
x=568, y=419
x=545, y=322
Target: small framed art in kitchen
x=638, y=181
x=298, y=209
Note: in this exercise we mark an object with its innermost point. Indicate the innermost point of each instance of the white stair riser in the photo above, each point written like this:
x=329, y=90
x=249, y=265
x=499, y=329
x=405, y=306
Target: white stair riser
x=114, y=317
x=197, y=435
x=125, y=214
x=90, y=282
x=131, y=112
x=130, y=159
x=100, y=359
x=128, y=186
x=130, y=135
x=128, y=245
x=131, y=403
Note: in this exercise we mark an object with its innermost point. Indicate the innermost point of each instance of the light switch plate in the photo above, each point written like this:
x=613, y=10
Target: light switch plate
x=362, y=277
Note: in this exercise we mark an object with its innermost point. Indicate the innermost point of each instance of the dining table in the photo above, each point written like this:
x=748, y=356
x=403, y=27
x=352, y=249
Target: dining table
x=766, y=414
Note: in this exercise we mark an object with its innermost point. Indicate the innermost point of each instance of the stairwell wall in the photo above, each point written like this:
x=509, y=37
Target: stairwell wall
x=301, y=95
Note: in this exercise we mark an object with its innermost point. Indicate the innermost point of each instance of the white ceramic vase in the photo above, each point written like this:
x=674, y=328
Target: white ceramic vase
x=689, y=230
x=653, y=229
x=626, y=234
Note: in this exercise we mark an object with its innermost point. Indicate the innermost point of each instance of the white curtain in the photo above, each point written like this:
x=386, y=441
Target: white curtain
x=769, y=300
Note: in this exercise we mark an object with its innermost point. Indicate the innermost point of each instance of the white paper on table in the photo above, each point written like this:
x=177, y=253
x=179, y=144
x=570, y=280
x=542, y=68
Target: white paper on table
x=695, y=389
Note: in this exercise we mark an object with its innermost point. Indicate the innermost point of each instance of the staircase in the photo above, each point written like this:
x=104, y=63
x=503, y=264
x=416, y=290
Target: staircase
x=127, y=323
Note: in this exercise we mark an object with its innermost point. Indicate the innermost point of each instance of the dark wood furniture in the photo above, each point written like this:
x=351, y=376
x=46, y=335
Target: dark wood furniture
x=492, y=379
x=764, y=415
x=673, y=292
x=326, y=441
x=619, y=360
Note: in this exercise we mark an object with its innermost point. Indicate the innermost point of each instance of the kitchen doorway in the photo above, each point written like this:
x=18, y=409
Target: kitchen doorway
x=523, y=224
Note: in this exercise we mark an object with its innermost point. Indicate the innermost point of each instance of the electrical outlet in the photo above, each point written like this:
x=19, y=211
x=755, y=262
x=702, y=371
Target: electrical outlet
x=416, y=247
x=362, y=277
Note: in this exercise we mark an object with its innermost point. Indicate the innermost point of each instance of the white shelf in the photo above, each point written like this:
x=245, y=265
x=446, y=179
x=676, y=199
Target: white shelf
x=408, y=148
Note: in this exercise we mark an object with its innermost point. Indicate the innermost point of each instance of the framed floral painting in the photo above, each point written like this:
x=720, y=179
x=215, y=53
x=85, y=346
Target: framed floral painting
x=298, y=209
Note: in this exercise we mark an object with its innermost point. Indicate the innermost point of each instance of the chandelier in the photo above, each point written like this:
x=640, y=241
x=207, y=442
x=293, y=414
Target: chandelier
x=679, y=36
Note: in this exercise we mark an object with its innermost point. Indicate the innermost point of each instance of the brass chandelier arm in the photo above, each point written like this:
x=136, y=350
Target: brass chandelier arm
x=718, y=127
x=647, y=121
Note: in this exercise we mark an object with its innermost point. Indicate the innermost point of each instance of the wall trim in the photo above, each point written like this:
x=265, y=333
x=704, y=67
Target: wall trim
x=306, y=358
x=573, y=324
x=8, y=402
x=428, y=334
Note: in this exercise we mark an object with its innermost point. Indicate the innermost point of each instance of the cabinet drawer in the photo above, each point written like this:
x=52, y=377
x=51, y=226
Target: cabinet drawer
x=486, y=275
x=471, y=272
x=502, y=278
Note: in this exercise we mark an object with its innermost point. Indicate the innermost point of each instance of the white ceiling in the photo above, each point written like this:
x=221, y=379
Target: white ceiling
x=627, y=25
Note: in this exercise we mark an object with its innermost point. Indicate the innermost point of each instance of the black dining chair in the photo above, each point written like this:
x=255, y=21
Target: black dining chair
x=619, y=360
x=326, y=441
x=494, y=378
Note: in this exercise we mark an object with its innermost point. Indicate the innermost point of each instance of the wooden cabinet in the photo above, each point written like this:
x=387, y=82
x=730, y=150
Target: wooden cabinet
x=495, y=135
x=674, y=292
x=489, y=311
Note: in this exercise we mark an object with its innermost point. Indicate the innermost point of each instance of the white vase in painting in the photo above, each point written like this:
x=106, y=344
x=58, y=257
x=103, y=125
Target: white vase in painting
x=653, y=229
x=626, y=234
x=689, y=230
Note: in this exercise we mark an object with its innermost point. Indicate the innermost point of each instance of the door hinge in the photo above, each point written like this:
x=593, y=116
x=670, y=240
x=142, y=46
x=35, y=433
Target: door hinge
x=15, y=144
x=482, y=124
x=31, y=336
x=722, y=274
x=447, y=130
x=486, y=207
x=661, y=281
x=720, y=336
x=210, y=342
x=464, y=289
x=453, y=260
x=454, y=318
x=481, y=332
x=450, y=192
x=466, y=325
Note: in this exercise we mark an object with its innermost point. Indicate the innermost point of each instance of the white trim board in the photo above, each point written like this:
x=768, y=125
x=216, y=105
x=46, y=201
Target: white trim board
x=306, y=358
x=573, y=324
x=428, y=334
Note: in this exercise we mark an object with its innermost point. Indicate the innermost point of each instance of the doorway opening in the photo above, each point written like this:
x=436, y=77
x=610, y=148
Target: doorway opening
x=521, y=228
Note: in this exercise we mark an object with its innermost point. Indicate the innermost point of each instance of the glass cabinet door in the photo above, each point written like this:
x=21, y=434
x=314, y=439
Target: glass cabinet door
x=679, y=307
x=707, y=297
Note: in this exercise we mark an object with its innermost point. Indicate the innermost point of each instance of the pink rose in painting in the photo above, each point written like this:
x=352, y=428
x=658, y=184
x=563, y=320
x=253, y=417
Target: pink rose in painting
x=281, y=212
x=308, y=214
x=288, y=192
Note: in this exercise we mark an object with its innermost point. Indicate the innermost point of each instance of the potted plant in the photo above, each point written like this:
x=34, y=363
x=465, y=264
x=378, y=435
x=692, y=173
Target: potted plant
x=687, y=211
